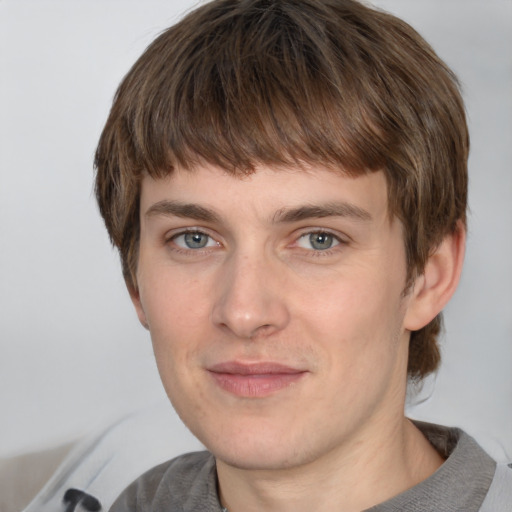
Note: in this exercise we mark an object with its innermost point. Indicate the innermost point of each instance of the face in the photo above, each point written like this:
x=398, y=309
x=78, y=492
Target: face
x=276, y=309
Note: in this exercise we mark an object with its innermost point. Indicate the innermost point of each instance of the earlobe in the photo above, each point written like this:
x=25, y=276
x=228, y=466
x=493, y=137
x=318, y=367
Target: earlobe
x=135, y=296
x=434, y=288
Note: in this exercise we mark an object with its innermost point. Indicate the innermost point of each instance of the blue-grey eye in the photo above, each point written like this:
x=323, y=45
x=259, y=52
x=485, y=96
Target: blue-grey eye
x=194, y=240
x=319, y=241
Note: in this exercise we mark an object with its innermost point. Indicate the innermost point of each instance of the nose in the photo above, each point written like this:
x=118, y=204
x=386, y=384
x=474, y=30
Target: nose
x=251, y=301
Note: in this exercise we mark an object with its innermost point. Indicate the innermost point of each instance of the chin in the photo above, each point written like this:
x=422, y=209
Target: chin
x=262, y=458
x=258, y=447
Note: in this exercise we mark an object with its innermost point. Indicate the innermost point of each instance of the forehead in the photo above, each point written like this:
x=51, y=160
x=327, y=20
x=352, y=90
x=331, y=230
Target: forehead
x=268, y=189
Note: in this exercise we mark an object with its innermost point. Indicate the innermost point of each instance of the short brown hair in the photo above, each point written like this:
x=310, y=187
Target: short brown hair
x=239, y=83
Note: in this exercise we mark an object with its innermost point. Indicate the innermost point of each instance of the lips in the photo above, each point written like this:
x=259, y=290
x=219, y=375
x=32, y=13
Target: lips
x=254, y=380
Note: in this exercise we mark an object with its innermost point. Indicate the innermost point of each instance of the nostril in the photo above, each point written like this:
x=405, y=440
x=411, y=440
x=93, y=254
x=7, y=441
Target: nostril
x=261, y=332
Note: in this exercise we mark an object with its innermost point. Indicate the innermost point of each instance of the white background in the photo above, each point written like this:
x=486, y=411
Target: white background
x=72, y=355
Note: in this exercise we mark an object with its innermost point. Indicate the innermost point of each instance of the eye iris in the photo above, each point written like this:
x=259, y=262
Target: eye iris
x=321, y=241
x=196, y=240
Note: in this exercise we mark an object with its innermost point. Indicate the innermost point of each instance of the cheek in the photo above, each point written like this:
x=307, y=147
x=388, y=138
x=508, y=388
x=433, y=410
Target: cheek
x=357, y=301
x=175, y=309
x=171, y=300
x=180, y=334
x=178, y=337
x=357, y=324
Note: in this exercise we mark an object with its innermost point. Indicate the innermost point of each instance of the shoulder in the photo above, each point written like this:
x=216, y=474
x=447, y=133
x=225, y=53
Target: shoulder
x=464, y=482
x=179, y=484
x=474, y=478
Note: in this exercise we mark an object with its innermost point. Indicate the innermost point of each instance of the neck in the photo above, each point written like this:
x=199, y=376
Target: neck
x=382, y=462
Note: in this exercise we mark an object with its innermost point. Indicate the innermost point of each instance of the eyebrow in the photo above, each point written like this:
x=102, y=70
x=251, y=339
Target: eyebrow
x=284, y=215
x=185, y=210
x=335, y=209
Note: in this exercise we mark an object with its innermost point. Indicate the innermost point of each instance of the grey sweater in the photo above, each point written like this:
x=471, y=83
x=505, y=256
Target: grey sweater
x=468, y=481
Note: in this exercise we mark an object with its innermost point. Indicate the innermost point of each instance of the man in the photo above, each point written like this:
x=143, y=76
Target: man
x=286, y=183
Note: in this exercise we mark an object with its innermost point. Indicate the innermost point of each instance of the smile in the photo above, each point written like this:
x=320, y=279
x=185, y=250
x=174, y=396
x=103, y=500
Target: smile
x=255, y=380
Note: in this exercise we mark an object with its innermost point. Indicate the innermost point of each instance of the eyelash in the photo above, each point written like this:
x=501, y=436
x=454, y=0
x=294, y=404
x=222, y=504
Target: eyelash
x=197, y=251
x=207, y=249
x=340, y=242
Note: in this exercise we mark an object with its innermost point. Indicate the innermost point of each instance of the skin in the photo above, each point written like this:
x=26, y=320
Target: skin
x=318, y=290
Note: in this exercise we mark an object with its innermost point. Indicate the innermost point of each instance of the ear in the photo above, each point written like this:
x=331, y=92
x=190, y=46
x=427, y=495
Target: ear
x=135, y=296
x=434, y=288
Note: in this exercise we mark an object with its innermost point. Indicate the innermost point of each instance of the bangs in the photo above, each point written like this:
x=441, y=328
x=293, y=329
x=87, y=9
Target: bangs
x=258, y=87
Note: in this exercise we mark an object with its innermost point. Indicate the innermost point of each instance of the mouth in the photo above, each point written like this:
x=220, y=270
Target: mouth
x=254, y=380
